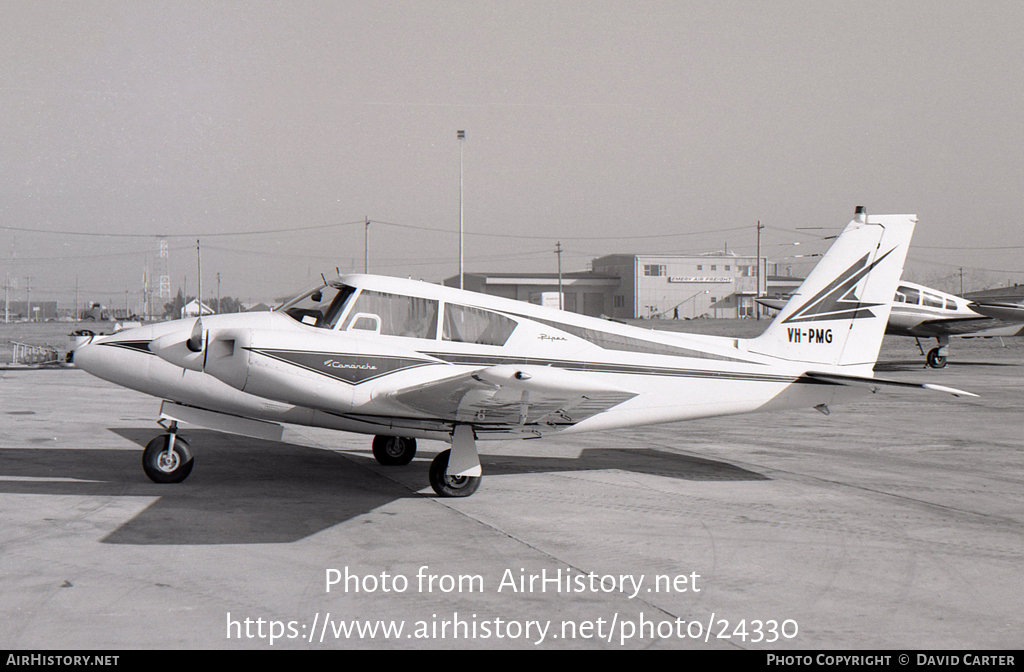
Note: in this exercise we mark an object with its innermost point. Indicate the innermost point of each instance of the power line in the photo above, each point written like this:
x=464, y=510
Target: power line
x=313, y=227
x=99, y=234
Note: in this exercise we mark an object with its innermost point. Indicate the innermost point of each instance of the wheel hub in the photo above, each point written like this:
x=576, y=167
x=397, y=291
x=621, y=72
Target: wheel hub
x=394, y=448
x=168, y=462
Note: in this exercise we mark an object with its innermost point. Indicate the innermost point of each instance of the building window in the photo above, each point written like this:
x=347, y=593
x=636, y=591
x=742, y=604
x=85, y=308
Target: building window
x=654, y=270
x=714, y=299
x=700, y=267
x=728, y=268
x=714, y=267
x=620, y=301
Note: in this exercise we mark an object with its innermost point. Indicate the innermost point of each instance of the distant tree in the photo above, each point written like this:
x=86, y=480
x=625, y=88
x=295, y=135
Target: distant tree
x=172, y=310
x=229, y=305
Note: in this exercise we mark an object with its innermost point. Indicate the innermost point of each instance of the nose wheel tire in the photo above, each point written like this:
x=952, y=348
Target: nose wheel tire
x=162, y=467
x=935, y=360
x=450, y=486
x=393, y=451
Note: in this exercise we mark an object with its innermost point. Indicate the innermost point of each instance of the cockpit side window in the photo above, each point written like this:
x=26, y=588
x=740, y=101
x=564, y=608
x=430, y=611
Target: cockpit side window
x=910, y=295
x=397, y=315
x=474, y=325
x=320, y=307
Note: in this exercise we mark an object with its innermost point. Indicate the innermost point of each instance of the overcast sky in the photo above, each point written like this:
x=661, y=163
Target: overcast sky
x=680, y=124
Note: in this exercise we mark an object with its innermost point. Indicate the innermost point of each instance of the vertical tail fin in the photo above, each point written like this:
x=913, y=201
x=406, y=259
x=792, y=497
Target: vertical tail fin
x=836, y=320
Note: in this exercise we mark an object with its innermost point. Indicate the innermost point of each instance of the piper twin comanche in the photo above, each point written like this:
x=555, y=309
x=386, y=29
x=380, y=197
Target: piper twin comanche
x=403, y=360
x=922, y=312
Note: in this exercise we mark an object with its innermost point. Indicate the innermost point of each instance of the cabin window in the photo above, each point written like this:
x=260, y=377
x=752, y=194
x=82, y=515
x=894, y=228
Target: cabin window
x=910, y=295
x=394, y=315
x=950, y=304
x=474, y=325
x=932, y=301
x=320, y=307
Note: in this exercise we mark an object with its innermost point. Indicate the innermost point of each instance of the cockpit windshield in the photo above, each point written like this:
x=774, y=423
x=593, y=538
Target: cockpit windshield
x=320, y=307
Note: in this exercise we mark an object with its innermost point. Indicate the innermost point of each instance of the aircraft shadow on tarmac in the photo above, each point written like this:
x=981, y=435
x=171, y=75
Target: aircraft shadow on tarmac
x=249, y=491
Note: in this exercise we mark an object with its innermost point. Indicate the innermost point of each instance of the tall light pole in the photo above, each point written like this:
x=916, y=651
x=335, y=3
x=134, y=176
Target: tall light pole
x=199, y=261
x=366, y=247
x=461, y=135
x=757, y=294
x=558, y=251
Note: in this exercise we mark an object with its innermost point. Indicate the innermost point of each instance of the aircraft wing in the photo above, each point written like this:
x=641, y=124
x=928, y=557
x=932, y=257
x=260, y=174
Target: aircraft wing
x=874, y=383
x=954, y=326
x=1008, y=312
x=513, y=395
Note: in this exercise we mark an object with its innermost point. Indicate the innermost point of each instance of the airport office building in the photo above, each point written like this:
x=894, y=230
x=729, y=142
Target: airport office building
x=647, y=286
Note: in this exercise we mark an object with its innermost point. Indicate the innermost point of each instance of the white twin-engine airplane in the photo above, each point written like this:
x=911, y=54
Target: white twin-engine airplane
x=403, y=360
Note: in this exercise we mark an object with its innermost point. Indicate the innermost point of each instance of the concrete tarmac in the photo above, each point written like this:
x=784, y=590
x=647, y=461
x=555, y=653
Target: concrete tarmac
x=893, y=523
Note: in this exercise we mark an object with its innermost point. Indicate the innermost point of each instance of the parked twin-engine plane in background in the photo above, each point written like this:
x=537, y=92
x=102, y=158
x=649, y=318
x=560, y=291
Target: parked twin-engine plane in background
x=403, y=360
x=923, y=312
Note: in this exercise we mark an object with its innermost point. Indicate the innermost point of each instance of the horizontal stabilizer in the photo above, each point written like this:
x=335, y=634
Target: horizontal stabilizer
x=863, y=381
x=774, y=304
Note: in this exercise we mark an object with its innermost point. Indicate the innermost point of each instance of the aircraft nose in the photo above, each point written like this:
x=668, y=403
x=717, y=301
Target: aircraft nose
x=79, y=339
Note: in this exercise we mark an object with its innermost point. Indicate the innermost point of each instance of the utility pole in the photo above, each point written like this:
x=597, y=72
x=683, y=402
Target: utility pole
x=961, y=281
x=199, y=294
x=28, y=297
x=558, y=251
x=7, y=302
x=757, y=294
x=76, y=297
x=366, y=247
x=218, y=292
x=461, y=135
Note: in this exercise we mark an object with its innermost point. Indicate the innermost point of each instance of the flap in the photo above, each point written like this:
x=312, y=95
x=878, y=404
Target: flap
x=514, y=395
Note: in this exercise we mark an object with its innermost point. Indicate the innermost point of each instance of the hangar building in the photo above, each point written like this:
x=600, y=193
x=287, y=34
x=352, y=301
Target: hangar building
x=624, y=286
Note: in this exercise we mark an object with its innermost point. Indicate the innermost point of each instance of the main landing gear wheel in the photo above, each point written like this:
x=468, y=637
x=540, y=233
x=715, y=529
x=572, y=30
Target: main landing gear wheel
x=450, y=486
x=162, y=467
x=393, y=451
x=935, y=360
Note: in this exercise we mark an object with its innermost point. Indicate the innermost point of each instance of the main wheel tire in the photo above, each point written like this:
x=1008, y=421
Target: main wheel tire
x=450, y=486
x=394, y=451
x=935, y=360
x=161, y=468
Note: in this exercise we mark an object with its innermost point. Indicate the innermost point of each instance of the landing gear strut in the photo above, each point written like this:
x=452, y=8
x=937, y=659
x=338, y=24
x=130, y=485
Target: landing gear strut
x=456, y=472
x=393, y=451
x=936, y=357
x=167, y=458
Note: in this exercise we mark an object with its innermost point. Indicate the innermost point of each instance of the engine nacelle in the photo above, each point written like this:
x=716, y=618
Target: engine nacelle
x=286, y=362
